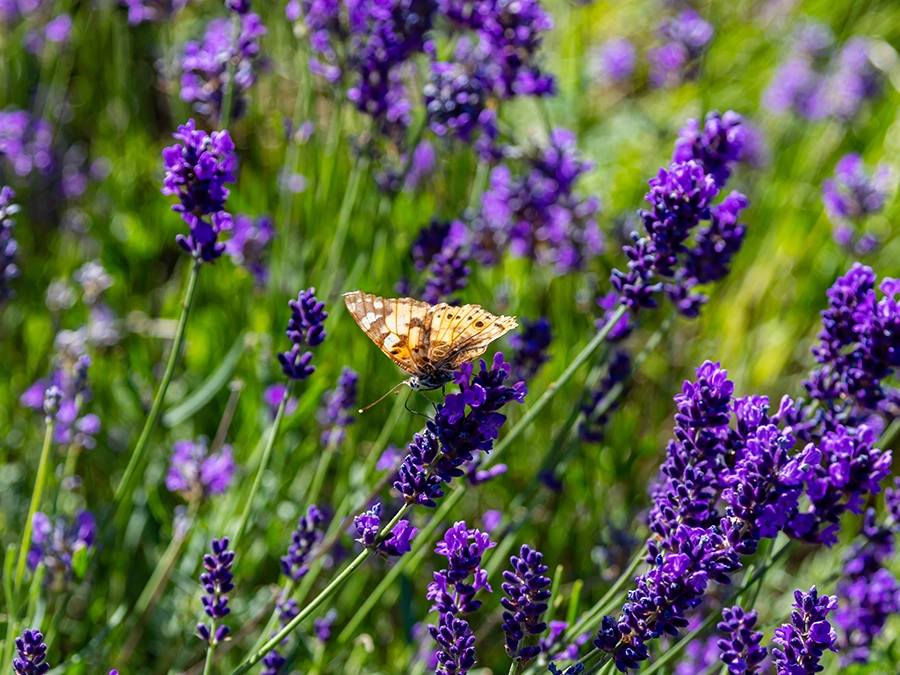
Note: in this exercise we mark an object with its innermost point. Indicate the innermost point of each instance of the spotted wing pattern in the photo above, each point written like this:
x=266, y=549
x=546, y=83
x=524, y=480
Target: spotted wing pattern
x=460, y=334
x=395, y=325
x=423, y=338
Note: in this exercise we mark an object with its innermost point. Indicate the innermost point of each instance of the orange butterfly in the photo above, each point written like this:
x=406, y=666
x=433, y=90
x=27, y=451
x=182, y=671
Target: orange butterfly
x=427, y=341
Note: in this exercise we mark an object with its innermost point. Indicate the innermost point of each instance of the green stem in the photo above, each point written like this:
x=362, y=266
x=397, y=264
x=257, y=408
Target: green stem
x=8, y=567
x=263, y=463
x=343, y=223
x=424, y=537
x=316, y=602
x=211, y=648
x=126, y=485
x=319, y=476
x=35, y=503
x=513, y=668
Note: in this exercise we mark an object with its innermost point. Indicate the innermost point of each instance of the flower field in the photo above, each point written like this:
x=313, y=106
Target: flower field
x=626, y=276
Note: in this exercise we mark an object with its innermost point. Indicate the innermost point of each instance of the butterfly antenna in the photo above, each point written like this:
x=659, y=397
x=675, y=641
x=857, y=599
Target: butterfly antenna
x=389, y=392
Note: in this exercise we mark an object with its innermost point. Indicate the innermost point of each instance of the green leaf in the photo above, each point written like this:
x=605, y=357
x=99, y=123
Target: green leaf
x=209, y=388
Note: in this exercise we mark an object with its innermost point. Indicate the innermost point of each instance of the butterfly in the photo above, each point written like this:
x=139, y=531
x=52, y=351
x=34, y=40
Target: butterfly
x=429, y=342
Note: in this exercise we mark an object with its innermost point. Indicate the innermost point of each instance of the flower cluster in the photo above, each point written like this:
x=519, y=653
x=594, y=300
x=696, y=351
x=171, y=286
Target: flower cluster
x=57, y=546
x=616, y=59
x=801, y=643
x=453, y=594
x=396, y=542
x=464, y=425
x=441, y=251
x=850, y=197
x=538, y=215
x=338, y=406
x=249, y=245
x=680, y=198
x=304, y=539
x=197, y=170
x=530, y=347
x=31, y=653
x=70, y=381
x=868, y=593
x=740, y=649
x=207, y=66
x=820, y=80
x=217, y=583
x=9, y=249
x=685, y=38
x=25, y=142
x=305, y=327
x=196, y=473
x=527, y=592
x=857, y=348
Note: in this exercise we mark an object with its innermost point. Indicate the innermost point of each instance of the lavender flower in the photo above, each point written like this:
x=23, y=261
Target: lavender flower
x=9, y=249
x=616, y=59
x=465, y=424
x=716, y=147
x=338, y=406
x=197, y=170
x=52, y=399
x=94, y=281
x=397, y=541
x=453, y=595
x=686, y=37
x=857, y=348
x=31, y=653
x=216, y=582
x=304, y=539
x=527, y=591
x=530, y=347
x=448, y=271
x=740, y=649
x=140, y=11
x=802, y=642
x=249, y=245
x=58, y=545
x=196, y=473
x=868, y=593
x=456, y=98
x=539, y=215
x=274, y=395
x=851, y=196
x=25, y=142
x=205, y=67
x=323, y=626
x=306, y=326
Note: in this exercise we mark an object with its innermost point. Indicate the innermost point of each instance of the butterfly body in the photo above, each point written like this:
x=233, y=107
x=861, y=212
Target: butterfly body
x=429, y=342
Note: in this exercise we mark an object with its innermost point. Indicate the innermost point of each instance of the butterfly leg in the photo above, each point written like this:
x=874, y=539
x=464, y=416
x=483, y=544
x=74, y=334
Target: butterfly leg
x=416, y=412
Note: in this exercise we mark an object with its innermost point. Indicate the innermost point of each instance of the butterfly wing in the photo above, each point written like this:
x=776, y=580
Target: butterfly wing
x=460, y=334
x=395, y=325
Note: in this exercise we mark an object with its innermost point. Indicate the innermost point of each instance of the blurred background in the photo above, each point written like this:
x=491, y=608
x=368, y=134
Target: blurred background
x=90, y=93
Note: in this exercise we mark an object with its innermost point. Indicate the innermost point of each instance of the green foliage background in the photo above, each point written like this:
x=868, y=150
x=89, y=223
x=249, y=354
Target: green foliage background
x=104, y=92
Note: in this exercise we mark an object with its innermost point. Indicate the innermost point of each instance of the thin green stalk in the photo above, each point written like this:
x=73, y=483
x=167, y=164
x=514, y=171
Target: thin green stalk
x=8, y=567
x=321, y=471
x=424, y=537
x=513, y=668
x=35, y=503
x=316, y=602
x=263, y=463
x=126, y=485
x=343, y=223
x=211, y=648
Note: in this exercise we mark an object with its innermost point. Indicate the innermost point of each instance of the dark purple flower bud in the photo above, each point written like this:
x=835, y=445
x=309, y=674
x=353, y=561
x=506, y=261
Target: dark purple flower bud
x=217, y=583
x=448, y=271
x=305, y=327
x=338, y=407
x=740, y=649
x=9, y=249
x=323, y=625
x=304, y=539
x=802, y=642
x=851, y=196
x=454, y=589
x=456, y=645
x=31, y=653
x=527, y=593
x=238, y=6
